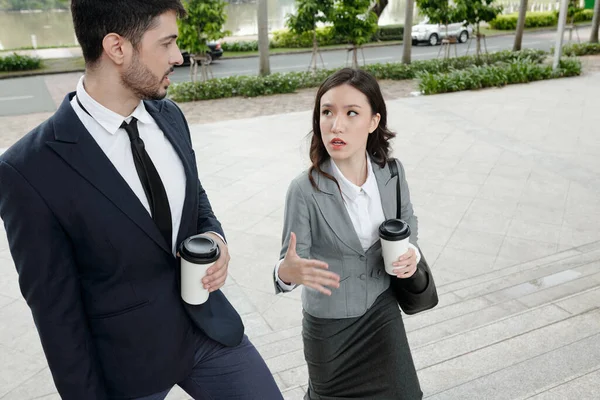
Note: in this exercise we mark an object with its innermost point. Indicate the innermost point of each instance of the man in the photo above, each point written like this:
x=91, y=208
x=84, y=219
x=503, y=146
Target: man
x=95, y=201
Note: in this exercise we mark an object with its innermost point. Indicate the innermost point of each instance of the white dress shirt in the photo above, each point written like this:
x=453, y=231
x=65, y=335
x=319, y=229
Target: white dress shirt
x=363, y=204
x=104, y=126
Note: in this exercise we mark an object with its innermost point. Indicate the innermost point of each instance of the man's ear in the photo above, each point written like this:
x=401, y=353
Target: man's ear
x=116, y=47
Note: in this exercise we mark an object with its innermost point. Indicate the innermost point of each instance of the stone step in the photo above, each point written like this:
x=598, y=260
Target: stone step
x=570, y=363
x=475, y=373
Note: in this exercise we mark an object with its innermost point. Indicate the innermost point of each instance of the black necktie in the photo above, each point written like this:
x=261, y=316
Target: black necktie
x=153, y=186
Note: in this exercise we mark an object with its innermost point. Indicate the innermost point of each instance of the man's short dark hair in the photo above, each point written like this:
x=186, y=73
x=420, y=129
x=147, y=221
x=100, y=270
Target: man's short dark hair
x=94, y=19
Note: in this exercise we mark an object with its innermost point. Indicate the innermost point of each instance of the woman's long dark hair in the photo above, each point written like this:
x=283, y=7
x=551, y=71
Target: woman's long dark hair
x=378, y=146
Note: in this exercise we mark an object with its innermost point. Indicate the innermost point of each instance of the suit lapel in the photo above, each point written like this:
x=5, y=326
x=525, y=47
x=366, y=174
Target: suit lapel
x=331, y=204
x=387, y=190
x=77, y=147
x=174, y=133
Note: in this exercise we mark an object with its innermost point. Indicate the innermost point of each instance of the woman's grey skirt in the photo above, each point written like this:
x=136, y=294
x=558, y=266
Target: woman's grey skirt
x=367, y=357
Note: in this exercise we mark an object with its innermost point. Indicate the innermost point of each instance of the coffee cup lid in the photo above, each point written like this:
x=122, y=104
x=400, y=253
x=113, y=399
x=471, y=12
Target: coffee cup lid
x=394, y=230
x=199, y=249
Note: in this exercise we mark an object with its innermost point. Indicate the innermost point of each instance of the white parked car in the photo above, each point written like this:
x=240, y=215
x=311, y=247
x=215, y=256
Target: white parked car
x=424, y=32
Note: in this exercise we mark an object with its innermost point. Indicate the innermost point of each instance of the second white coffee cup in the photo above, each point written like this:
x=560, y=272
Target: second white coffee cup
x=394, y=235
x=198, y=253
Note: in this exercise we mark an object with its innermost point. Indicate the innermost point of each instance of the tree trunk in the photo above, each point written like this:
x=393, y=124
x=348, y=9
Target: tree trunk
x=478, y=50
x=379, y=6
x=407, y=38
x=263, y=38
x=520, y=25
x=595, y=23
x=314, y=52
x=354, y=56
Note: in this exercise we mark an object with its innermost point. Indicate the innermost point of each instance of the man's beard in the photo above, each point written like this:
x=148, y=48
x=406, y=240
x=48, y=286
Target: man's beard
x=142, y=82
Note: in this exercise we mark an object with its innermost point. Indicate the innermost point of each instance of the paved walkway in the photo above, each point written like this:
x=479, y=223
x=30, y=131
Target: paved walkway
x=506, y=185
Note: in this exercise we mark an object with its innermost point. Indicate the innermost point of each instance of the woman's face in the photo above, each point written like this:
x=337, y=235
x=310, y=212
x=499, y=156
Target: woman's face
x=346, y=122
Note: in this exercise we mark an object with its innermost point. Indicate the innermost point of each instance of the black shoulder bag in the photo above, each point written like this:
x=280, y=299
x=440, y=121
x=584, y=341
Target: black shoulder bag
x=412, y=303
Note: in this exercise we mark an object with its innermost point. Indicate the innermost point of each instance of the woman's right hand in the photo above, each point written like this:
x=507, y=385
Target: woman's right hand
x=310, y=273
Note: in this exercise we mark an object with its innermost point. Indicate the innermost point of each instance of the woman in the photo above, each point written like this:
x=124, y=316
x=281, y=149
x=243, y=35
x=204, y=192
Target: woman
x=354, y=339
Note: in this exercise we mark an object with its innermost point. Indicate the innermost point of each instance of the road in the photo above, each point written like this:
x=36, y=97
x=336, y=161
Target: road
x=28, y=95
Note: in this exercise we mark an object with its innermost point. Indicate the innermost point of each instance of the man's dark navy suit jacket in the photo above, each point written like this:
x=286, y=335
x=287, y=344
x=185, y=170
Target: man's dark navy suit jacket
x=101, y=282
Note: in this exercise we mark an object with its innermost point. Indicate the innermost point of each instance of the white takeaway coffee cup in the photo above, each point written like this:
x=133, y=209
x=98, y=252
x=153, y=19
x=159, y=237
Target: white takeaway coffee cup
x=394, y=235
x=198, y=253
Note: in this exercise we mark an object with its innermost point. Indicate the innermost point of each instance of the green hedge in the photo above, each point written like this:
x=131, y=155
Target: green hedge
x=581, y=49
x=16, y=62
x=251, y=86
x=325, y=37
x=477, y=77
x=583, y=16
x=508, y=22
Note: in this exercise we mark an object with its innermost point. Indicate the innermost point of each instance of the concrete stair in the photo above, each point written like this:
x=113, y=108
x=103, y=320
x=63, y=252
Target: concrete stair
x=529, y=331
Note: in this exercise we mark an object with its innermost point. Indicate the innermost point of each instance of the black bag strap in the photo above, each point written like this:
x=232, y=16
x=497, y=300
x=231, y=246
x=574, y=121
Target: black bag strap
x=393, y=166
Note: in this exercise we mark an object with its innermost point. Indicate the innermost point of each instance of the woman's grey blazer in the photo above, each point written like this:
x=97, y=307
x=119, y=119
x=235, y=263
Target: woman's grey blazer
x=325, y=232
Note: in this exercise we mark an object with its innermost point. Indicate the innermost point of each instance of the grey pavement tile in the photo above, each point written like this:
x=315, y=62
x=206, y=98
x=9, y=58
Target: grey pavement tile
x=460, y=370
x=581, y=302
x=255, y=325
x=280, y=347
x=501, y=263
x=295, y=376
x=293, y=394
x=9, y=281
x=503, y=207
x=178, y=393
x=279, y=382
x=462, y=264
x=585, y=221
x=17, y=368
x=431, y=231
x=526, y=250
x=284, y=314
x=552, y=215
x=18, y=332
x=260, y=300
x=534, y=287
x=486, y=221
x=430, y=251
x=463, y=323
x=565, y=259
x=530, y=375
x=560, y=291
x=268, y=226
x=476, y=241
x=4, y=301
x=490, y=334
x=239, y=299
x=250, y=273
x=471, y=177
x=581, y=388
x=458, y=189
x=286, y=361
x=495, y=191
x=38, y=386
x=572, y=237
x=276, y=336
x=441, y=314
x=536, y=231
x=237, y=219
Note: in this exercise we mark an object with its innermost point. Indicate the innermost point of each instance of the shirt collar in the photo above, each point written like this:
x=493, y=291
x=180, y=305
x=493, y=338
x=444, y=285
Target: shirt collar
x=109, y=120
x=349, y=189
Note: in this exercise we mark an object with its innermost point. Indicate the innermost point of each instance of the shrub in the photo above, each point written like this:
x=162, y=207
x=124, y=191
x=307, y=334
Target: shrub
x=532, y=20
x=501, y=74
x=581, y=49
x=17, y=62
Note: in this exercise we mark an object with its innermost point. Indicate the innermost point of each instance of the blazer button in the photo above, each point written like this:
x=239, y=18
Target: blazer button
x=362, y=258
x=362, y=277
